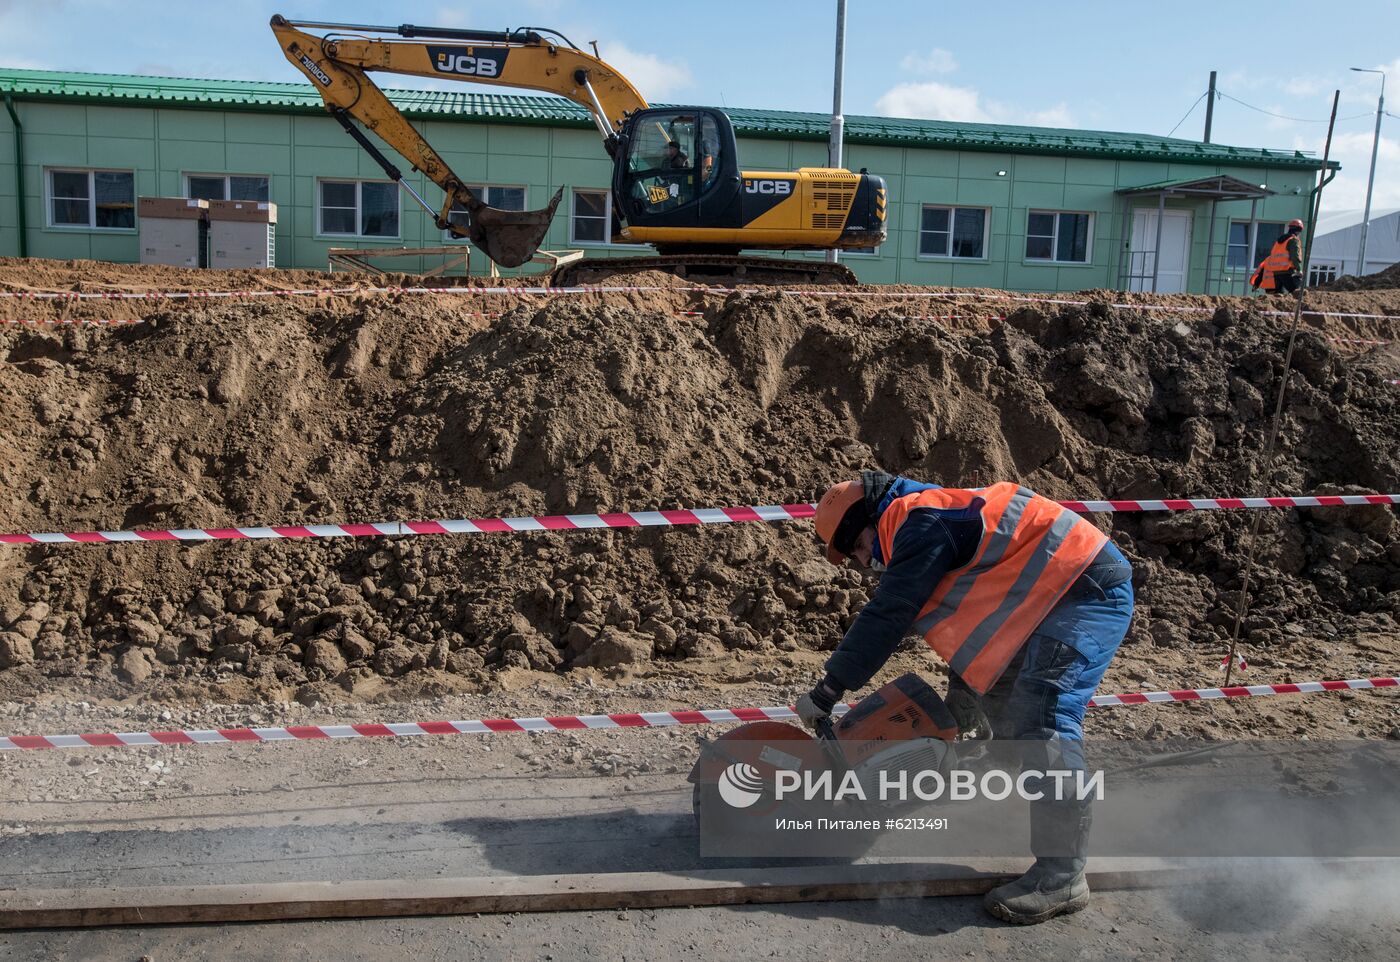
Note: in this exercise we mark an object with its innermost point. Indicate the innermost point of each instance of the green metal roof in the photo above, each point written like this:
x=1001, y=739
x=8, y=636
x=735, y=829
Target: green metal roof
x=557, y=112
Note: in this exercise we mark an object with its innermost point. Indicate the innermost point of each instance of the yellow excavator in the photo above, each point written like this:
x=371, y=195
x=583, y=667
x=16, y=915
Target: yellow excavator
x=677, y=183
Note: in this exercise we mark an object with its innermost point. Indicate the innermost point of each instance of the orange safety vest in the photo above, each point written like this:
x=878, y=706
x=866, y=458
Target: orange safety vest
x=1278, y=262
x=1031, y=551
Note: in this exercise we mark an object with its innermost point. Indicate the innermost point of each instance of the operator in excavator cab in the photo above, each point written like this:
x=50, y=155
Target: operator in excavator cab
x=1025, y=600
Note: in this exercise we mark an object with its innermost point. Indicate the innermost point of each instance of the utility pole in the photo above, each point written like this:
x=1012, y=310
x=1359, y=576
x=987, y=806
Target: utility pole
x=838, y=123
x=1210, y=105
x=1371, y=180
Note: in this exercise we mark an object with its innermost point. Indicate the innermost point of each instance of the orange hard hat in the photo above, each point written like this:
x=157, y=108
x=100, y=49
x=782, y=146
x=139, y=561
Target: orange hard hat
x=831, y=509
x=1295, y=222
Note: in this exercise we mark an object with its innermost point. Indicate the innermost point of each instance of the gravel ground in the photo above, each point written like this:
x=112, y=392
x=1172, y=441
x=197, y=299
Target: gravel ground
x=513, y=804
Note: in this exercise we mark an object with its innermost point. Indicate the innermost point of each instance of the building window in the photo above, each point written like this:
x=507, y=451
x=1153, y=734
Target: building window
x=359, y=208
x=492, y=195
x=95, y=199
x=1323, y=273
x=590, y=221
x=953, y=232
x=1059, y=236
x=1245, y=236
x=226, y=187
x=860, y=251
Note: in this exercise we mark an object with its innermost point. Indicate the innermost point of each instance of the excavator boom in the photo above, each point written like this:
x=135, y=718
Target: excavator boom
x=677, y=183
x=338, y=65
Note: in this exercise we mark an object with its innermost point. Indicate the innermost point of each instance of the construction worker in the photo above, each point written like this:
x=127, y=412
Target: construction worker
x=1282, y=270
x=675, y=157
x=1025, y=600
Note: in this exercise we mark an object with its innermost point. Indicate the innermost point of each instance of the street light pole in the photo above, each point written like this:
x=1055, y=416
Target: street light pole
x=838, y=122
x=1370, y=180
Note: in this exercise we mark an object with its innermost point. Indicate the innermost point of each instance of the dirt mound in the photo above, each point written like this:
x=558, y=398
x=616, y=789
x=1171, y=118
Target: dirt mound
x=1388, y=279
x=403, y=407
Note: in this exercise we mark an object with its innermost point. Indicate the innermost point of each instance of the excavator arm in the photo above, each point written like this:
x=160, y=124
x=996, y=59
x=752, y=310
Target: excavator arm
x=338, y=65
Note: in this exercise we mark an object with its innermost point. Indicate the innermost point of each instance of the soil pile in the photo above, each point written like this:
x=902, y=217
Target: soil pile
x=1386, y=279
x=403, y=407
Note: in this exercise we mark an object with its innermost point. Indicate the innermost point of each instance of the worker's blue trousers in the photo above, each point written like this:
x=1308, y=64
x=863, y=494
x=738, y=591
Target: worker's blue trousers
x=1041, y=698
x=1062, y=663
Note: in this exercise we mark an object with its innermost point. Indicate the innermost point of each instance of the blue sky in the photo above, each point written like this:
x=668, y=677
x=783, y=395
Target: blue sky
x=1082, y=63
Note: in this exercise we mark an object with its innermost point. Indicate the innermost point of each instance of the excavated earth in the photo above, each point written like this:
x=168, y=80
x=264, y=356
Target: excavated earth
x=369, y=406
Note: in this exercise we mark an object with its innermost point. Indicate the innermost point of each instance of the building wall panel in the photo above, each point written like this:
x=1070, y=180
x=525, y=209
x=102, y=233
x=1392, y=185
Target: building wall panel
x=162, y=145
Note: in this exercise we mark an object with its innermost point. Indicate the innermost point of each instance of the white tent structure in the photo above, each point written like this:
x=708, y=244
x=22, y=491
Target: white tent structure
x=1337, y=244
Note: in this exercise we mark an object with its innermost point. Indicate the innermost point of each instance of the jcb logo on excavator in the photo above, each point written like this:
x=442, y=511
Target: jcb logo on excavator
x=470, y=63
x=768, y=187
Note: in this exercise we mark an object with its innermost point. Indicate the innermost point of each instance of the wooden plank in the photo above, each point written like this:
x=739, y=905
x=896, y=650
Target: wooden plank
x=543, y=893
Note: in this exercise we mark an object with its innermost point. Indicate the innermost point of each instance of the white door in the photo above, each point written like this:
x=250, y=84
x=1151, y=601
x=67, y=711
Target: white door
x=1171, y=262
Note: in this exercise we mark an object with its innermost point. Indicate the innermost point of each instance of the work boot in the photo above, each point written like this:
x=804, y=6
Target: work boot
x=1053, y=886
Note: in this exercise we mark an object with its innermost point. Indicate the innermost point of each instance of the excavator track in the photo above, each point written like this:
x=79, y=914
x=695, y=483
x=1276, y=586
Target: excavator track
x=706, y=269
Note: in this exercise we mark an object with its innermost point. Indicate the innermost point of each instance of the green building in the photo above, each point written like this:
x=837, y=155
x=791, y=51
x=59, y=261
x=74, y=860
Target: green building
x=974, y=205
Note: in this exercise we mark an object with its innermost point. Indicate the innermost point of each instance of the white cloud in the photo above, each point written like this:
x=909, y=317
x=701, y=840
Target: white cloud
x=932, y=101
x=939, y=101
x=1362, y=88
x=1280, y=122
x=1303, y=86
x=1311, y=94
x=17, y=22
x=1238, y=79
x=454, y=16
x=23, y=63
x=1353, y=152
x=654, y=78
x=1056, y=116
x=936, y=60
x=157, y=69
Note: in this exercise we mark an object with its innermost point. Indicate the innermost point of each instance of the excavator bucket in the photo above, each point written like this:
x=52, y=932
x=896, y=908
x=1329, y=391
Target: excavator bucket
x=511, y=237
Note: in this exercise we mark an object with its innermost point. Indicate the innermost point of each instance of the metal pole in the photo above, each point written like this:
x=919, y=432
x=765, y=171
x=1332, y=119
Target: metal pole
x=1268, y=466
x=1371, y=180
x=1157, y=248
x=838, y=123
x=1210, y=105
x=1125, y=255
x=1249, y=246
x=1210, y=239
x=22, y=202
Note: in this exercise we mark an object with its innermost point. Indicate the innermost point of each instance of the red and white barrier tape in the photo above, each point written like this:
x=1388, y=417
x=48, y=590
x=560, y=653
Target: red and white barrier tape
x=567, y=723
x=78, y=321
x=321, y=292
x=558, y=291
x=66, y=321
x=1240, y=691
x=177, y=295
x=636, y=519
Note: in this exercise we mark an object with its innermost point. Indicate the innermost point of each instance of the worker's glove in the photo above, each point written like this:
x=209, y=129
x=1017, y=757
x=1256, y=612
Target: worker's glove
x=966, y=709
x=816, y=705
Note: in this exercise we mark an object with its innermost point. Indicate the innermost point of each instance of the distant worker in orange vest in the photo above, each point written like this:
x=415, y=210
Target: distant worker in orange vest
x=1282, y=270
x=1025, y=600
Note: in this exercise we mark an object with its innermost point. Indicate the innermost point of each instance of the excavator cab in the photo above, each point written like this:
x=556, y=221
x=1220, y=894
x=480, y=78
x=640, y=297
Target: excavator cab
x=679, y=186
x=676, y=167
